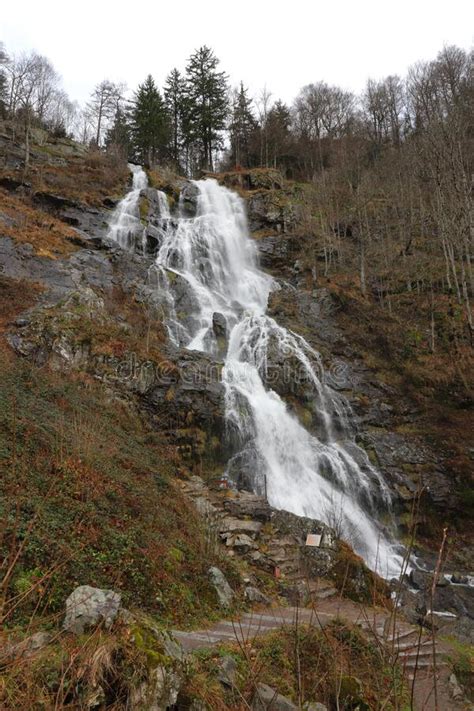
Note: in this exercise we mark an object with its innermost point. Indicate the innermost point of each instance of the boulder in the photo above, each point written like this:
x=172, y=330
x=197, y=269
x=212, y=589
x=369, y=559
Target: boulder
x=456, y=690
x=267, y=699
x=419, y=579
x=189, y=199
x=459, y=579
x=412, y=606
x=255, y=595
x=312, y=706
x=277, y=252
x=456, y=599
x=227, y=671
x=87, y=606
x=317, y=562
x=219, y=325
x=221, y=586
x=241, y=542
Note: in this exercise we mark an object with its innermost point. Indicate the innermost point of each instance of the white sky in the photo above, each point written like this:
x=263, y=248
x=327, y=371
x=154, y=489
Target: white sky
x=281, y=44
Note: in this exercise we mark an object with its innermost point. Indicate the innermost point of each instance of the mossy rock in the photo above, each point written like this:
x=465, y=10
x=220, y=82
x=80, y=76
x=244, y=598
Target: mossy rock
x=354, y=579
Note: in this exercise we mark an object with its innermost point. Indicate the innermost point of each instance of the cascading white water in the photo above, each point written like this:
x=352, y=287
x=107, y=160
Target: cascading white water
x=125, y=224
x=327, y=477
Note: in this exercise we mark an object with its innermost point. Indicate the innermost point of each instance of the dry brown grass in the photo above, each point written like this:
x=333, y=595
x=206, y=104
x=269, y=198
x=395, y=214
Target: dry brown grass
x=88, y=179
x=16, y=295
x=49, y=236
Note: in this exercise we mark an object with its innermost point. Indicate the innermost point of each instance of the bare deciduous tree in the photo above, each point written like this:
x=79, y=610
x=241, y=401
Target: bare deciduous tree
x=103, y=105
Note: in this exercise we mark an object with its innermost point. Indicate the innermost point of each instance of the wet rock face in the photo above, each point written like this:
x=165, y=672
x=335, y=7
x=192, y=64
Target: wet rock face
x=219, y=325
x=189, y=199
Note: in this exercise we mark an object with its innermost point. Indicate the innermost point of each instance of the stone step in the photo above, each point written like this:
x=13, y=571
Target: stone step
x=407, y=646
x=421, y=675
x=405, y=656
x=414, y=631
x=378, y=632
x=423, y=663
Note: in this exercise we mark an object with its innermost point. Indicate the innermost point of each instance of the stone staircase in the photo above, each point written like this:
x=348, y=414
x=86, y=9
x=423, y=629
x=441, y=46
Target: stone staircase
x=245, y=525
x=422, y=660
x=410, y=650
x=271, y=540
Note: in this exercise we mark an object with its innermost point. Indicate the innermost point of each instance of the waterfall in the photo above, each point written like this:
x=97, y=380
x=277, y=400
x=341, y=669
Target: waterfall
x=324, y=476
x=125, y=224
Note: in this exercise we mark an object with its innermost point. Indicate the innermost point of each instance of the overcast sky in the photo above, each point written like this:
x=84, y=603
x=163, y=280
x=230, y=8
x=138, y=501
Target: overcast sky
x=281, y=44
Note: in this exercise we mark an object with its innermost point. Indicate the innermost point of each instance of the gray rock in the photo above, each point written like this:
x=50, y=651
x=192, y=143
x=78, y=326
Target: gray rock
x=419, y=579
x=227, y=671
x=219, y=325
x=459, y=579
x=255, y=595
x=235, y=525
x=455, y=599
x=205, y=508
x=158, y=692
x=241, y=542
x=267, y=699
x=277, y=252
x=189, y=199
x=222, y=587
x=312, y=706
x=250, y=505
x=299, y=526
x=463, y=629
x=26, y=648
x=456, y=690
x=88, y=606
x=412, y=606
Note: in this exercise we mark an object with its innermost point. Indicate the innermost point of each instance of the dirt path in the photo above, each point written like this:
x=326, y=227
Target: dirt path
x=413, y=654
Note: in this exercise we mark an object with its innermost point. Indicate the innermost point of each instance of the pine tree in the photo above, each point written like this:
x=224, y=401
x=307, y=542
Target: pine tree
x=175, y=100
x=278, y=131
x=149, y=124
x=242, y=128
x=206, y=90
x=118, y=137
